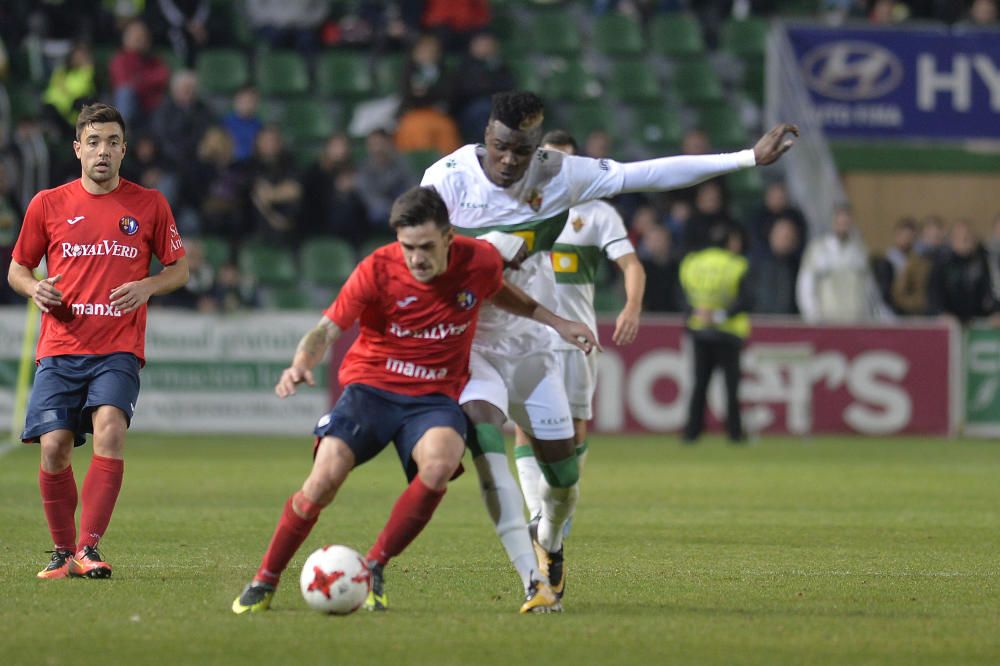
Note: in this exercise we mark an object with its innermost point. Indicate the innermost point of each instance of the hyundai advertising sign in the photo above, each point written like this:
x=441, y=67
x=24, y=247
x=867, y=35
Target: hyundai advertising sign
x=901, y=83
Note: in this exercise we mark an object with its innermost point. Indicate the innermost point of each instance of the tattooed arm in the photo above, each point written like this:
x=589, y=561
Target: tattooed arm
x=312, y=347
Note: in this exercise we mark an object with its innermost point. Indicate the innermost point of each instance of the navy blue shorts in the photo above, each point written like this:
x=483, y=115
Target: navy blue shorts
x=69, y=388
x=367, y=419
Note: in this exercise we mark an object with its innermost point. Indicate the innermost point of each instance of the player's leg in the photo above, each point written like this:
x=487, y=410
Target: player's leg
x=702, y=369
x=528, y=472
x=729, y=354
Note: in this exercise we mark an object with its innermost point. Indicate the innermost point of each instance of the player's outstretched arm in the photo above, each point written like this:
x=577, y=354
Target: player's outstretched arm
x=43, y=292
x=773, y=145
x=311, y=350
x=130, y=296
x=627, y=323
x=516, y=301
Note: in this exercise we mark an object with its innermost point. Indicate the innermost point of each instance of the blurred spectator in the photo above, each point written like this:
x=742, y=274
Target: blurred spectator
x=333, y=206
x=983, y=13
x=710, y=209
x=216, y=188
x=184, y=22
x=677, y=219
x=235, y=291
x=993, y=256
x=911, y=284
x=384, y=176
x=960, y=281
x=481, y=73
x=886, y=12
x=292, y=24
x=892, y=263
x=776, y=205
x=243, y=121
x=71, y=85
x=199, y=292
x=181, y=121
x=931, y=240
x=275, y=191
x=695, y=142
x=597, y=144
x=774, y=273
x=423, y=123
x=455, y=22
x=643, y=219
x=147, y=166
x=835, y=282
x=138, y=78
x=663, y=287
x=10, y=224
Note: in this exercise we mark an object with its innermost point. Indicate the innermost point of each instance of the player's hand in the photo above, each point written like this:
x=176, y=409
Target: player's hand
x=626, y=327
x=290, y=377
x=45, y=295
x=130, y=296
x=578, y=335
x=774, y=144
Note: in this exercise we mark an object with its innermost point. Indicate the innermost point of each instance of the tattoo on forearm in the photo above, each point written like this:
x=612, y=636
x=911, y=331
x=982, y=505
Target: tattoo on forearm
x=313, y=345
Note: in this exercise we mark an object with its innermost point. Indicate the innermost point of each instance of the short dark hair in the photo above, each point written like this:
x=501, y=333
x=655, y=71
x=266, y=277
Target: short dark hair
x=518, y=109
x=560, y=137
x=417, y=206
x=98, y=113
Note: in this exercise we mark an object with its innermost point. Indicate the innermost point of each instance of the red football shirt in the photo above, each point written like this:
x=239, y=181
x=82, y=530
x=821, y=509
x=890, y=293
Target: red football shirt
x=415, y=337
x=96, y=242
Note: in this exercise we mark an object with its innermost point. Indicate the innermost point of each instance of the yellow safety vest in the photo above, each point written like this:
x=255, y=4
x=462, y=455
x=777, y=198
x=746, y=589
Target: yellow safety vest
x=711, y=279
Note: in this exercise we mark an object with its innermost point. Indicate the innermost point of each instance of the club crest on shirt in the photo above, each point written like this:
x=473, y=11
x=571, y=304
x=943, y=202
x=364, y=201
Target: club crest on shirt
x=129, y=225
x=535, y=199
x=577, y=223
x=466, y=299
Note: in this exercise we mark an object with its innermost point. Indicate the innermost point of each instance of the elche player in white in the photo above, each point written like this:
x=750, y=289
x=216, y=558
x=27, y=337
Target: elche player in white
x=594, y=230
x=510, y=185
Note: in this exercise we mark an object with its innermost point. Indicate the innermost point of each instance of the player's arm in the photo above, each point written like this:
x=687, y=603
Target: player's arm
x=311, y=350
x=627, y=323
x=133, y=295
x=43, y=292
x=516, y=301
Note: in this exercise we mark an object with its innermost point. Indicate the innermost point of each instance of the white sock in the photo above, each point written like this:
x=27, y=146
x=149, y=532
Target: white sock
x=530, y=475
x=506, y=508
x=558, y=505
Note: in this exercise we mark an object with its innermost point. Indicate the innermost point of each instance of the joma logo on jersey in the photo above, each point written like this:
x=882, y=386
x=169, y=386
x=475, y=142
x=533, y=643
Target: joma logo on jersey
x=99, y=309
x=105, y=248
x=408, y=369
x=439, y=332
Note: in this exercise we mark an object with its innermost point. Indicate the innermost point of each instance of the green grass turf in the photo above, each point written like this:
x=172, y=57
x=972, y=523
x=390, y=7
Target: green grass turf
x=833, y=551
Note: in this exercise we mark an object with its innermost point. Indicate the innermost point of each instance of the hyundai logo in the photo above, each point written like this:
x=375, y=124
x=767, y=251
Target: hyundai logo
x=851, y=71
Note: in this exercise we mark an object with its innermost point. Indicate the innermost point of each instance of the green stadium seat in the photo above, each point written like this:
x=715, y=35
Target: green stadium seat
x=571, y=82
x=745, y=184
x=585, y=117
x=723, y=126
x=633, y=81
x=553, y=33
x=25, y=102
x=227, y=21
x=618, y=35
x=389, y=73
x=373, y=244
x=281, y=73
x=658, y=127
x=696, y=83
x=272, y=266
x=327, y=262
x=753, y=81
x=217, y=250
x=526, y=75
x=419, y=160
x=344, y=74
x=222, y=71
x=676, y=35
x=288, y=298
x=308, y=121
x=746, y=38
x=169, y=58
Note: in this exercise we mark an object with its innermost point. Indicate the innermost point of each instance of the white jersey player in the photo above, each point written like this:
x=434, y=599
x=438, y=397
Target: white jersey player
x=509, y=185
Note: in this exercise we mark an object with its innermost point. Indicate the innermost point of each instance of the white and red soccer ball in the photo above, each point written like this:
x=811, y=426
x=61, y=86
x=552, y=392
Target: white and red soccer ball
x=335, y=579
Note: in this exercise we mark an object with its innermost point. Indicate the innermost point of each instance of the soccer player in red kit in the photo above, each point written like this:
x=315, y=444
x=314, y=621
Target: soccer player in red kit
x=97, y=236
x=417, y=301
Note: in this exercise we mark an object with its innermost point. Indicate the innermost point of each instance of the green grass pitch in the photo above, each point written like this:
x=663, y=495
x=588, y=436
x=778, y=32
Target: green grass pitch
x=826, y=551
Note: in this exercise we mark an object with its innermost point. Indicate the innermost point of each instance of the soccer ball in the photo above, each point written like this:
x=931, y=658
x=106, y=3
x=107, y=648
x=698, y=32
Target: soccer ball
x=335, y=579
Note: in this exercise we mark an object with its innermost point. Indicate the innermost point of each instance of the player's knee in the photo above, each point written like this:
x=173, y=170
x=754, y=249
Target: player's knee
x=437, y=472
x=305, y=507
x=57, y=453
x=561, y=474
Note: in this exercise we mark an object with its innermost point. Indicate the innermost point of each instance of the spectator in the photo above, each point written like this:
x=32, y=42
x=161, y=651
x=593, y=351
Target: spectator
x=835, y=283
x=597, y=144
x=960, y=281
x=993, y=256
x=275, y=192
x=983, y=13
x=423, y=123
x=182, y=119
x=455, y=22
x=10, y=225
x=71, y=85
x=911, y=284
x=481, y=73
x=148, y=167
x=217, y=186
x=185, y=23
x=643, y=219
x=776, y=205
x=138, y=78
x=774, y=272
x=199, y=292
x=383, y=177
x=292, y=24
x=890, y=265
x=243, y=122
x=333, y=206
x=234, y=291
x=710, y=209
x=663, y=290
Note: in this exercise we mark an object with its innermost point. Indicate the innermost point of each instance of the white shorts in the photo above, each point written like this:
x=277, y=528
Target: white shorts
x=579, y=373
x=527, y=389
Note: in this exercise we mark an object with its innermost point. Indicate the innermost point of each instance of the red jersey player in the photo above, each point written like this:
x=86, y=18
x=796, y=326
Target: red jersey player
x=97, y=235
x=417, y=301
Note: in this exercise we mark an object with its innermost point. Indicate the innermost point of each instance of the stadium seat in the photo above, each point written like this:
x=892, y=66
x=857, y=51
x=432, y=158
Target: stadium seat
x=343, y=74
x=745, y=184
x=308, y=120
x=676, y=35
x=696, y=83
x=633, y=81
x=217, y=250
x=272, y=266
x=658, y=127
x=280, y=73
x=723, y=126
x=746, y=38
x=288, y=298
x=389, y=73
x=585, y=117
x=25, y=102
x=327, y=262
x=553, y=33
x=222, y=71
x=526, y=74
x=570, y=81
x=419, y=160
x=618, y=35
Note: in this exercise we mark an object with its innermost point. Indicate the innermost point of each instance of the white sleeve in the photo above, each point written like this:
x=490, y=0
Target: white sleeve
x=671, y=173
x=805, y=286
x=508, y=245
x=613, y=237
x=590, y=179
x=437, y=176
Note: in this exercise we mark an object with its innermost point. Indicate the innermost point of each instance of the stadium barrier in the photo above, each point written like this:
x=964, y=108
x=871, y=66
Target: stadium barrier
x=216, y=374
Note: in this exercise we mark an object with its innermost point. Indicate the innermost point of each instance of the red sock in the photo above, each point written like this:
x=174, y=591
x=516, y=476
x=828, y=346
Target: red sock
x=100, y=492
x=291, y=531
x=59, y=501
x=410, y=514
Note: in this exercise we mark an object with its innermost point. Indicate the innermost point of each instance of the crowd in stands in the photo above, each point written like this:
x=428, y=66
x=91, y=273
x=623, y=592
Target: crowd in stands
x=237, y=174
